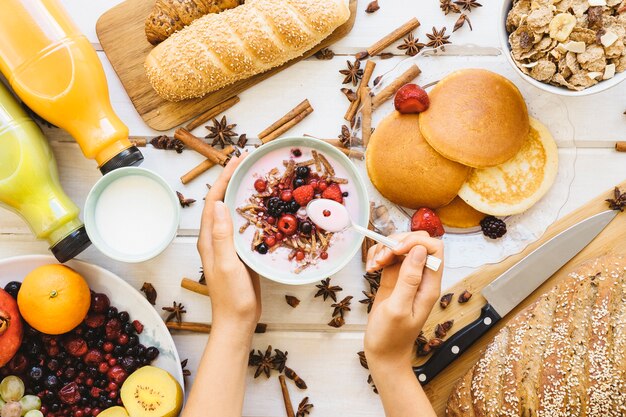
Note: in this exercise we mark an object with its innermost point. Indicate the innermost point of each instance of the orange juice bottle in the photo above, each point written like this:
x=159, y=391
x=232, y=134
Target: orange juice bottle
x=29, y=184
x=53, y=68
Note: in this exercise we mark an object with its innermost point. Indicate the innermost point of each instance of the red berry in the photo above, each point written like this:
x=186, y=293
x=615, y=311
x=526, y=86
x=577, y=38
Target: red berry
x=70, y=393
x=333, y=192
x=138, y=326
x=112, y=361
x=326, y=213
x=411, y=98
x=99, y=303
x=112, y=329
x=270, y=241
x=288, y=224
x=112, y=386
x=95, y=320
x=313, y=183
x=426, y=219
x=271, y=220
x=122, y=339
x=300, y=255
x=324, y=255
x=322, y=185
x=117, y=374
x=95, y=392
x=103, y=368
x=76, y=346
x=108, y=347
x=93, y=357
x=279, y=236
x=304, y=194
x=286, y=196
x=260, y=185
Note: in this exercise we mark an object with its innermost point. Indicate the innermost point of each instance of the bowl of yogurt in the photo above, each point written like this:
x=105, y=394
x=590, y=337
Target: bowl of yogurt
x=267, y=197
x=132, y=214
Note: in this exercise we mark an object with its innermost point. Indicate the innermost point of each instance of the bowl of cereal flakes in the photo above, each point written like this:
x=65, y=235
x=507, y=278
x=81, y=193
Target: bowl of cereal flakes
x=566, y=47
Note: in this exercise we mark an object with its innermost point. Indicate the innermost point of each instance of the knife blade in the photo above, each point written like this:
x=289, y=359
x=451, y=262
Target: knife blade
x=513, y=286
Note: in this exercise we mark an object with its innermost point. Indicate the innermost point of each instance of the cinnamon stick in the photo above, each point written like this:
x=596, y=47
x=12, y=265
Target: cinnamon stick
x=398, y=33
x=366, y=116
x=285, y=127
x=212, y=112
x=351, y=153
x=203, y=167
x=195, y=286
x=286, y=396
x=620, y=146
x=200, y=146
x=367, y=75
x=204, y=327
x=286, y=118
x=388, y=92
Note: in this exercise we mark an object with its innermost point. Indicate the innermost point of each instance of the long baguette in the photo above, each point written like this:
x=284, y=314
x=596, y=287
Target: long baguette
x=220, y=49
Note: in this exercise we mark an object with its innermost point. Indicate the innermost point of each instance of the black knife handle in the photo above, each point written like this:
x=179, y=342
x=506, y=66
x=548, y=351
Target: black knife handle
x=458, y=343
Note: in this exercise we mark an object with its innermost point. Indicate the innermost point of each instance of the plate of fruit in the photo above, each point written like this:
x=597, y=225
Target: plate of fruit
x=79, y=341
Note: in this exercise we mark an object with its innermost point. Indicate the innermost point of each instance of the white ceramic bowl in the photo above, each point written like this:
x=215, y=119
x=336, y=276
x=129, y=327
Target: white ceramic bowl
x=562, y=91
x=262, y=264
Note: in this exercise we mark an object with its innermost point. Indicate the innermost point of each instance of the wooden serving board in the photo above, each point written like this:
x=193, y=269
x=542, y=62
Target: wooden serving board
x=121, y=34
x=610, y=240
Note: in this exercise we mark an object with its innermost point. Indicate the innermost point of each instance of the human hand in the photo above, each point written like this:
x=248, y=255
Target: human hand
x=407, y=294
x=233, y=288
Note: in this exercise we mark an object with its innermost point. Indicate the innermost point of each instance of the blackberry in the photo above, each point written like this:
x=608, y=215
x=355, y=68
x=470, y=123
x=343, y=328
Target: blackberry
x=302, y=172
x=275, y=206
x=493, y=227
x=292, y=207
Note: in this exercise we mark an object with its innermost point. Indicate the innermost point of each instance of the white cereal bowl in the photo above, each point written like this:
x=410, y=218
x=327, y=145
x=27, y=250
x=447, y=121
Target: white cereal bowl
x=263, y=265
x=561, y=91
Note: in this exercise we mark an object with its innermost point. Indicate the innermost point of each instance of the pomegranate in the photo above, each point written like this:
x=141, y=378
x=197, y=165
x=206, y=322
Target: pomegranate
x=10, y=327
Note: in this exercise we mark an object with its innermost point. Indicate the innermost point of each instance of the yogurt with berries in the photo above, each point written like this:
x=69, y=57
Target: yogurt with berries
x=271, y=208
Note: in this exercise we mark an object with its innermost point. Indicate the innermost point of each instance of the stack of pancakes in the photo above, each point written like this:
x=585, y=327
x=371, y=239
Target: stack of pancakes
x=475, y=151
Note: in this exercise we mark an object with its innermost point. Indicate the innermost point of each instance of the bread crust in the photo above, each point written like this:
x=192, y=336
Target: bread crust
x=564, y=354
x=219, y=49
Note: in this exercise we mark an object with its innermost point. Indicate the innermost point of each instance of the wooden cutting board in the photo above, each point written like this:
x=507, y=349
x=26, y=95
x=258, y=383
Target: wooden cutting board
x=610, y=240
x=121, y=34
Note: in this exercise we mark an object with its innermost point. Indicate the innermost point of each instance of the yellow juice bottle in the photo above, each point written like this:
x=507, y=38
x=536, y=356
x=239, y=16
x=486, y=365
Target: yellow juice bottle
x=53, y=68
x=29, y=184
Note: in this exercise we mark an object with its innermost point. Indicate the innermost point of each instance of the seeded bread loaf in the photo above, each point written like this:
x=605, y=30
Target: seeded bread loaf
x=565, y=355
x=220, y=49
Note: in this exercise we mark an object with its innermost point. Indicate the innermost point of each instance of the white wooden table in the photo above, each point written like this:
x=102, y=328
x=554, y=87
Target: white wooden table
x=325, y=358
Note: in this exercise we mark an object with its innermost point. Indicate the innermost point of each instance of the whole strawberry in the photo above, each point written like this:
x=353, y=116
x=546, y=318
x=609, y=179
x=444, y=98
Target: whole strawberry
x=426, y=219
x=303, y=194
x=333, y=192
x=411, y=98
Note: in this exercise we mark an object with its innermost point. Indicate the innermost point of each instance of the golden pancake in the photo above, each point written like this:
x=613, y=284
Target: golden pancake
x=405, y=169
x=516, y=185
x=459, y=214
x=476, y=117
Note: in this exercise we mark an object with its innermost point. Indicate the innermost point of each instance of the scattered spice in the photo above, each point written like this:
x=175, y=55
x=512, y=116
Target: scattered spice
x=438, y=38
x=372, y=7
x=326, y=290
x=467, y=4
x=337, y=322
x=448, y=7
x=286, y=396
x=291, y=374
x=254, y=359
x=361, y=55
x=618, y=202
x=324, y=54
x=349, y=93
x=304, y=408
x=445, y=300
x=411, y=46
x=442, y=329
x=342, y=306
x=263, y=362
x=221, y=132
x=362, y=359
x=424, y=350
x=279, y=359
x=385, y=55
x=202, y=279
x=292, y=301
x=184, y=202
x=377, y=80
x=370, y=381
x=464, y=297
x=370, y=296
x=346, y=137
x=242, y=141
x=421, y=339
x=435, y=343
x=183, y=365
x=461, y=21
x=167, y=143
x=150, y=292
x=353, y=73
x=176, y=312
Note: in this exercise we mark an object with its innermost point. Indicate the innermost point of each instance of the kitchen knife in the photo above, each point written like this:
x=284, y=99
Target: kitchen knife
x=513, y=286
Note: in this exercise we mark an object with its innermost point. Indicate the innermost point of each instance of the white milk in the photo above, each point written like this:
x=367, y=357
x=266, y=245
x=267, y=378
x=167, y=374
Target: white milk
x=134, y=215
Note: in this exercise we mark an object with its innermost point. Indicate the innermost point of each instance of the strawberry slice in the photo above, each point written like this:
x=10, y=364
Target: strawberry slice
x=333, y=192
x=426, y=219
x=303, y=194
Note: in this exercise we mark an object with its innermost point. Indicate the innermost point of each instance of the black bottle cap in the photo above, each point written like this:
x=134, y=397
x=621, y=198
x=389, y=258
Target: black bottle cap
x=71, y=245
x=130, y=157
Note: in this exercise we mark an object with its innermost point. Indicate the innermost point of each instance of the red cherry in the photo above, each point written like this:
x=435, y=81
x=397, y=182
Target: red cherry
x=270, y=241
x=326, y=213
x=288, y=224
x=271, y=220
x=286, y=196
x=324, y=255
x=260, y=185
x=300, y=255
x=108, y=347
x=279, y=236
x=103, y=368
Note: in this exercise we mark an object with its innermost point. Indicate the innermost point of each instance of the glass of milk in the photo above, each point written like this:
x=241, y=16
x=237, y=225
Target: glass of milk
x=132, y=214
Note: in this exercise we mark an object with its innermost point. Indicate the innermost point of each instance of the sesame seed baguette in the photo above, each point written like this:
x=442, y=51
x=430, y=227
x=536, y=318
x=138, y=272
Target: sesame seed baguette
x=219, y=49
x=564, y=355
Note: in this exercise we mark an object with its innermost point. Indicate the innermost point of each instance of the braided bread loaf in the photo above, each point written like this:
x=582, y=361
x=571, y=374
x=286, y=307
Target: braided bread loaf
x=563, y=356
x=168, y=16
x=220, y=49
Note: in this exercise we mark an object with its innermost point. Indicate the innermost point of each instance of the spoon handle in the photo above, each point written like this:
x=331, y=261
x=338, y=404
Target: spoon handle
x=432, y=262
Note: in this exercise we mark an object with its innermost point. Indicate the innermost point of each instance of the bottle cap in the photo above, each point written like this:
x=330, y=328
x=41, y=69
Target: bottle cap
x=71, y=245
x=128, y=157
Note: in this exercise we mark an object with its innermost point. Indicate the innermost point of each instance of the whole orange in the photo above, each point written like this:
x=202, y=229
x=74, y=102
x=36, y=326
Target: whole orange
x=54, y=299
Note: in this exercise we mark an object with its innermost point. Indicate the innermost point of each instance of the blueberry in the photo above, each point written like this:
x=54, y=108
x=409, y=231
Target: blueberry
x=152, y=353
x=298, y=182
x=123, y=316
x=306, y=227
x=262, y=248
x=345, y=194
x=35, y=373
x=13, y=288
x=302, y=172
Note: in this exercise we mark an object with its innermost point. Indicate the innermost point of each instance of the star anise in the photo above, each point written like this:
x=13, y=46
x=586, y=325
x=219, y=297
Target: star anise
x=342, y=306
x=353, y=74
x=467, y=4
x=150, y=292
x=411, y=46
x=618, y=202
x=183, y=365
x=324, y=54
x=304, y=408
x=184, y=202
x=263, y=362
x=243, y=139
x=346, y=137
x=370, y=296
x=448, y=7
x=254, y=359
x=326, y=290
x=176, y=312
x=221, y=132
x=349, y=93
x=373, y=278
x=461, y=21
x=337, y=322
x=279, y=360
x=370, y=381
x=362, y=359
x=438, y=38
